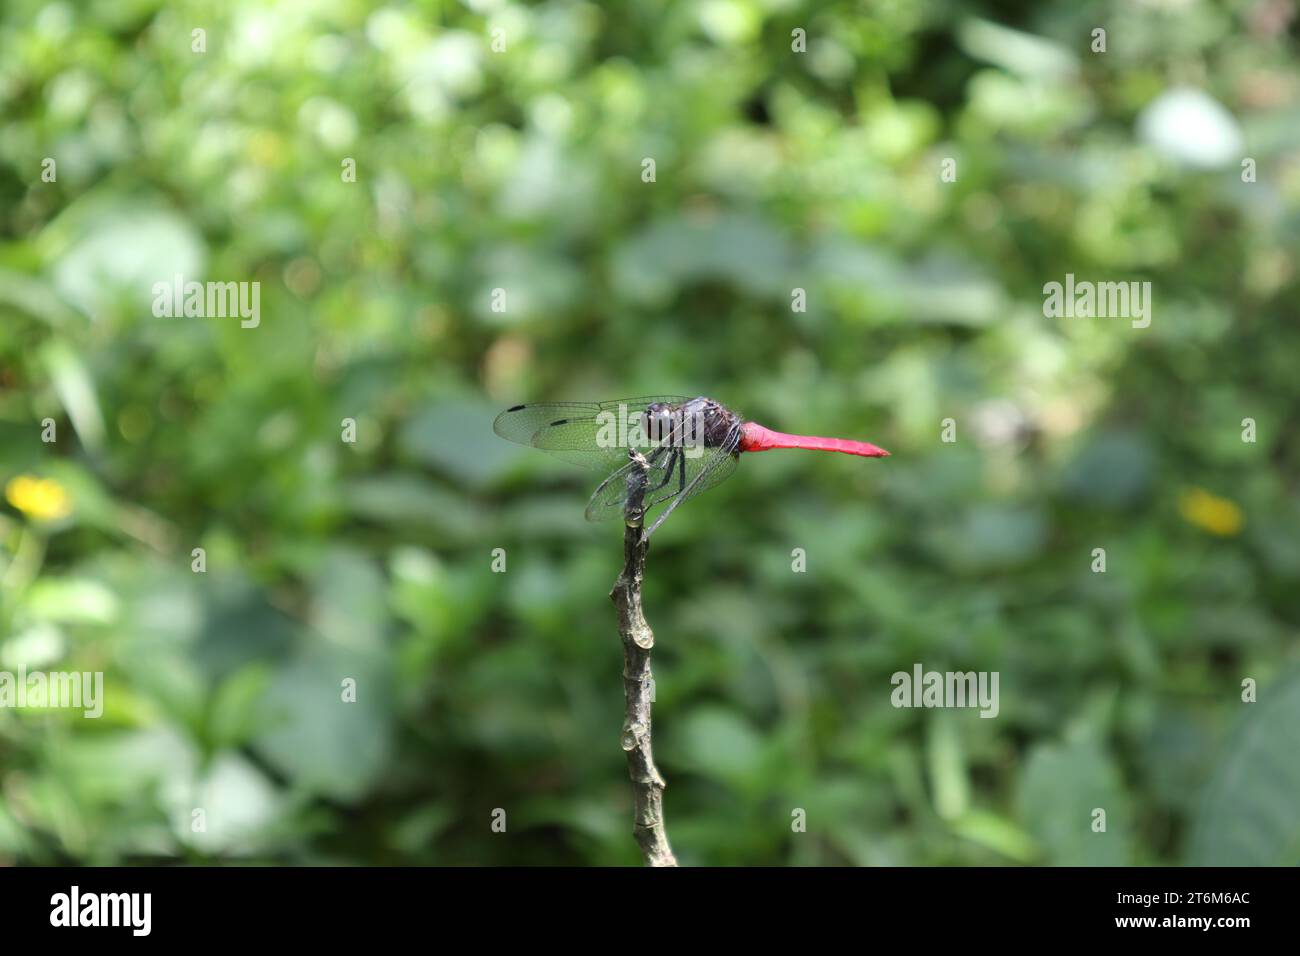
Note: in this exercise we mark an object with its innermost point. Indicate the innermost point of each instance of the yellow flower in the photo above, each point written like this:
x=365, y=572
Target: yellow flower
x=1210, y=512
x=41, y=498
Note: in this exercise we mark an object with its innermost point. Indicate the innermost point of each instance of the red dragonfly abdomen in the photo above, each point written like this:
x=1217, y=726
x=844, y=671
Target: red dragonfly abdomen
x=754, y=437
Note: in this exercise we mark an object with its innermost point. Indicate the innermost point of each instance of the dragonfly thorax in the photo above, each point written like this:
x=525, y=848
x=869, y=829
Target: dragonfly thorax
x=700, y=421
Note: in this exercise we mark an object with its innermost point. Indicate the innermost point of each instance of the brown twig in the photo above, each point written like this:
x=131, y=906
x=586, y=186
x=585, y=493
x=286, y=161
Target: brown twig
x=638, y=639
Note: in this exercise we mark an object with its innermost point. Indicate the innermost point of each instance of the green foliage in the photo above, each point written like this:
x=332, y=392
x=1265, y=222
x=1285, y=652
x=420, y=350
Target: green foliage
x=1249, y=812
x=522, y=170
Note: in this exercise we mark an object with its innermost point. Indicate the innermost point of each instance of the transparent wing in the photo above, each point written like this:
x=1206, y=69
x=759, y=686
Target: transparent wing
x=578, y=432
x=673, y=476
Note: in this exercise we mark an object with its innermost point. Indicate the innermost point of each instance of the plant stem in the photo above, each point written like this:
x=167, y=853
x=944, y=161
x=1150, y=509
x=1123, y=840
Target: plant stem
x=638, y=639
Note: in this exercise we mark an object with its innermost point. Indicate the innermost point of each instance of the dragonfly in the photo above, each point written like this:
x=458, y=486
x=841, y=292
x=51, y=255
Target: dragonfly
x=662, y=449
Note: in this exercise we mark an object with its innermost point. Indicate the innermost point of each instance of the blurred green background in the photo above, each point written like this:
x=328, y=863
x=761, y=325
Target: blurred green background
x=775, y=170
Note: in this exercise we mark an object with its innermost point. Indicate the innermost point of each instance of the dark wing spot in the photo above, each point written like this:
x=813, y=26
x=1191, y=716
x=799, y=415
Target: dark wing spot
x=514, y=408
x=559, y=421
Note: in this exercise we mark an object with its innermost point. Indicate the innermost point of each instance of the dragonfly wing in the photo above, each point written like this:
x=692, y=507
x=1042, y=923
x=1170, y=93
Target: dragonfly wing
x=608, y=499
x=672, y=475
x=567, y=430
x=715, y=473
x=584, y=433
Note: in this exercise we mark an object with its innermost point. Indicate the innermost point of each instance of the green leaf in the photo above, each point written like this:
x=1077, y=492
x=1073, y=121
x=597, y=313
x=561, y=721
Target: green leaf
x=232, y=719
x=1250, y=813
x=322, y=743
x=719, y=744
x=1062, y=786
x=104, y=245
x=76, y=391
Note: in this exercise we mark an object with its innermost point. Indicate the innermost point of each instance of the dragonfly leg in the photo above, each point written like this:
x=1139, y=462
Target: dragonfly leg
x=654, y=456
x=673, y=457
x=677, y=498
